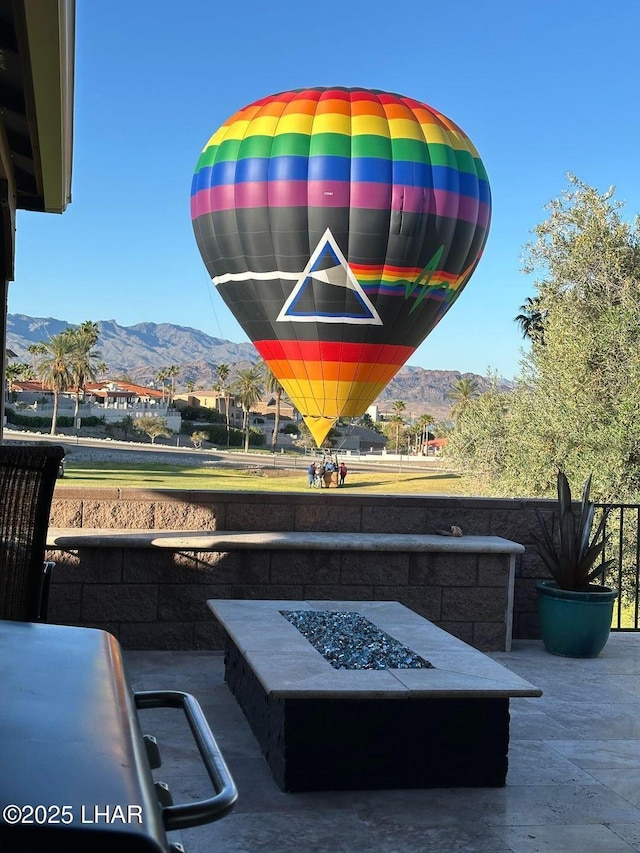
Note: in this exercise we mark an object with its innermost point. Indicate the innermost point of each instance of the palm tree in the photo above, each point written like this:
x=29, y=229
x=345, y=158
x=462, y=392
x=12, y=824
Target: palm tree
x=531, y=320
x=423, y=423
x=90, y=331
x=273, y=386
x=171, y=373
x=412, y=432
x=83, y=361
x=18, y=370
x=248, y=390
x=223, y=375
x=397, y=420
x=55, y=369
x=161, y=376
x=101, y=368
x=461, y=393
x=14, y=373
x=35, y=350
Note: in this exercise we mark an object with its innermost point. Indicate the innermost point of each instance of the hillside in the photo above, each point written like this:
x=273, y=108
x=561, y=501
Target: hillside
x=425, y=391
x=142, y=350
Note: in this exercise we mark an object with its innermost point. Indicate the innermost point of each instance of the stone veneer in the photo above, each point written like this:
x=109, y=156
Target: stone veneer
x=155, y=599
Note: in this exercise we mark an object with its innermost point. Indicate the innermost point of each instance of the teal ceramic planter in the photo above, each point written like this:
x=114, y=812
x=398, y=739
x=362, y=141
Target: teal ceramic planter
x=575, y=624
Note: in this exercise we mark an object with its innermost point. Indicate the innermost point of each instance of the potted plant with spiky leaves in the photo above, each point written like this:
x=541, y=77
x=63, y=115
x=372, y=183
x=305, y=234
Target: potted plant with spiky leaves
x=575, y=612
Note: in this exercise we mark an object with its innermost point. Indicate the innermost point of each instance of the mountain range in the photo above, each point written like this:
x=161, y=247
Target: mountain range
x=140, y=351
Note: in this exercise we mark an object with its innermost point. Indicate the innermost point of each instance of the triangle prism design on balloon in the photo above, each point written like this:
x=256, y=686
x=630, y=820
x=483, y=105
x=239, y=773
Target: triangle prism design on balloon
x=327, y=291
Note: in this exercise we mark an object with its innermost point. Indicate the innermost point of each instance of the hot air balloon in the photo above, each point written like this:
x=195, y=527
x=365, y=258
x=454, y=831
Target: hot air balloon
x=339, y=226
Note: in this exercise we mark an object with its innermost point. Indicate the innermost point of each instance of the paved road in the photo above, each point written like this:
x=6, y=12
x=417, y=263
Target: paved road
x=81, y=449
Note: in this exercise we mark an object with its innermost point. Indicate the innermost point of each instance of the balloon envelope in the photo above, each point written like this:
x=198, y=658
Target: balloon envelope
x=339, y=226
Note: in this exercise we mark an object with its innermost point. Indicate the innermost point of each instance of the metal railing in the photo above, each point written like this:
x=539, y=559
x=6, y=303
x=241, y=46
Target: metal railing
x=623, y=528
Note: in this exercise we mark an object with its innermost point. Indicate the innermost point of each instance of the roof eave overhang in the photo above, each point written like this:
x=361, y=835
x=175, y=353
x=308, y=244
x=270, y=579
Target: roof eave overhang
x=50, y=33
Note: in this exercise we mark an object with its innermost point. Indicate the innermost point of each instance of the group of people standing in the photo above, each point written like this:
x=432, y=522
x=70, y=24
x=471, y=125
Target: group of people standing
x=317, y=473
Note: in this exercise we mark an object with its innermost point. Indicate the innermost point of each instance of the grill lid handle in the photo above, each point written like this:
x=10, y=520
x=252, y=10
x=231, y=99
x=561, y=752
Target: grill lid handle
x=182, y=816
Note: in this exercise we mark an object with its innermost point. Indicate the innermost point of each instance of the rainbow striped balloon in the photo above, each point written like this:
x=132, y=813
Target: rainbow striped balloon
x=339, y=226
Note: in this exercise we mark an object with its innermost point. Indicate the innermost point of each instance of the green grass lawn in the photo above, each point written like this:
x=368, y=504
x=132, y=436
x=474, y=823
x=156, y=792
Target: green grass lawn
x=254, y=478
x=627, y=617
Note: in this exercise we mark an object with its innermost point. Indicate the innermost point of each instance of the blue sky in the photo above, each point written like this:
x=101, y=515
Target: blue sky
x=542, y=88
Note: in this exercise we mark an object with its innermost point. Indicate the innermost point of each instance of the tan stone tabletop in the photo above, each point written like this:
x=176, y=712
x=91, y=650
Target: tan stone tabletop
x=288, y=666
x=225, y=540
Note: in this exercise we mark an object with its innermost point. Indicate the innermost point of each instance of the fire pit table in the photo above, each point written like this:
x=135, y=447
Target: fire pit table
x=441, y=723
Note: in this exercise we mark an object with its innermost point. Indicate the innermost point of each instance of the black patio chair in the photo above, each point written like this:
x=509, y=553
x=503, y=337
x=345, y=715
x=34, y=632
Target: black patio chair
x=27, y=479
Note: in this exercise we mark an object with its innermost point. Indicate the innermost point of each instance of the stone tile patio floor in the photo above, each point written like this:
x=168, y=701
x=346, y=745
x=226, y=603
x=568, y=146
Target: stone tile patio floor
x=573, y=782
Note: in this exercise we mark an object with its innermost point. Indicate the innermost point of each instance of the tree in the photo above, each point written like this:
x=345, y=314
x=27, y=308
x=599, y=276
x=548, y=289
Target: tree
x=90, y=331
x=55, y=368
x=17, y=371
x=412, y=431
x=223, y=372
x=248, y=390
x=576, y=405
x=35, y=350
x=162, y=377
x=461, y=393
x=422, y=429
x=417, y=433
x=153, y=427
x=171, y=373
x=14, y=373
x=397, y=421
x=125, y=427
x=394, y=430
x=531, y=320
x=367, y=421
x=584, y=249
x=305, y=438
x=273, y=386
x=83, y=358
x=580, y=401
x=198, y=437
x=478, y=443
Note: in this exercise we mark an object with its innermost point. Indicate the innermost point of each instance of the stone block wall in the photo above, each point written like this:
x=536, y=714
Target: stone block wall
x=155, y=599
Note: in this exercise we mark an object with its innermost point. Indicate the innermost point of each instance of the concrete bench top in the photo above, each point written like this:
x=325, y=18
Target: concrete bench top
x=68, y=539
x=288, y=666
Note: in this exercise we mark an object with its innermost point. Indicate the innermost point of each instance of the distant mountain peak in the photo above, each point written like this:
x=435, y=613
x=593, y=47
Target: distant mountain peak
x=142, y=350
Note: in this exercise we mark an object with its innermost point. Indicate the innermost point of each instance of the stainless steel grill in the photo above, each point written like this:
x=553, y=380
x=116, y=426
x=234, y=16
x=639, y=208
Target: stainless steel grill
x=75, y=768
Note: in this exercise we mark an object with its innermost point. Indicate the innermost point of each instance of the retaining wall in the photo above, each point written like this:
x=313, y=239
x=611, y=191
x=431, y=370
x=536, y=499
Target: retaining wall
x=152, y=599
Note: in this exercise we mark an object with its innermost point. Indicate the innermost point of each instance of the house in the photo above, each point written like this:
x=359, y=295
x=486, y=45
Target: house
x=121, y=395
x=29, y=393
x=111, y=400
x=360, y=439
x=434, y=446
x=214, y=400
x=115, y=399
x=267, y=408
